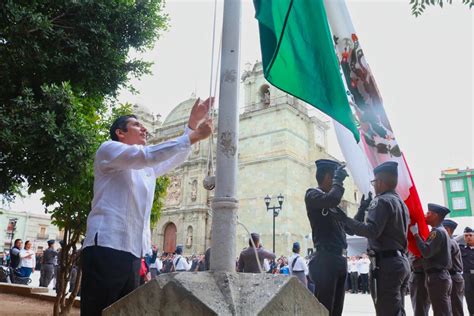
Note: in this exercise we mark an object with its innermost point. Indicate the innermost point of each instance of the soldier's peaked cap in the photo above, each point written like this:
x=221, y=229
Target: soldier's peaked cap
x=390, y=167
x=450, y=223
x=327, y=164
x=296, y=245
x=468, y=230
x=439, y=209
x=51, y=241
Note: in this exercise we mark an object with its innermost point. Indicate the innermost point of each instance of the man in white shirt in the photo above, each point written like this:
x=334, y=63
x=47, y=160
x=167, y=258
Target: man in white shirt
x=353, y=274
x=297, y=265
x=364, y=266
x=118, y=226
x=180, y=263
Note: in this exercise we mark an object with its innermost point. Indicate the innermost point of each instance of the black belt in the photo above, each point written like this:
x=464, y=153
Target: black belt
x=335, y=251
x=298, y=271
x=389, y=254
x=434, y=270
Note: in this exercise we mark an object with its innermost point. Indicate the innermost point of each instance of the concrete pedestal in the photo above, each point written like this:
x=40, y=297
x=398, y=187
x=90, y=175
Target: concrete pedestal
x=219, y=293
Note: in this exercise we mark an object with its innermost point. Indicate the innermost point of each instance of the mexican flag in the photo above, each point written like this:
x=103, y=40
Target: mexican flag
x=289, y=31
x=328, y=70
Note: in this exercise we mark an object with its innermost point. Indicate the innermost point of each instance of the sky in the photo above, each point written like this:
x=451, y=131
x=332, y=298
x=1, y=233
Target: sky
x=423, y=68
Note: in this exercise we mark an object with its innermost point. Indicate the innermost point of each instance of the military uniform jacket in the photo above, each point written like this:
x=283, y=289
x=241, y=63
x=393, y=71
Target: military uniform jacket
x=327, y=231
x=49, y=256
x=436, y=250
x=386, y=225
x=467, y=254
x=455, y=256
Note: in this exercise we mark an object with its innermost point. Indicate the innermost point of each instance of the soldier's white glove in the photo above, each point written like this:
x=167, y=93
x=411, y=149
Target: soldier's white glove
x=414, y=229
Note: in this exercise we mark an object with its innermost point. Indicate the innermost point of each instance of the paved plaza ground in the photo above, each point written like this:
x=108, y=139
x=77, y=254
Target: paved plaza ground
x=355, y=304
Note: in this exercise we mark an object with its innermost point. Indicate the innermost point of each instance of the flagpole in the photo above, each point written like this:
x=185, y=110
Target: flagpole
x=225, y=203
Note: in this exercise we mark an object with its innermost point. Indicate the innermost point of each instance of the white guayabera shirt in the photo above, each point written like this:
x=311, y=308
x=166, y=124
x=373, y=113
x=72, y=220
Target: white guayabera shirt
x=124, y=187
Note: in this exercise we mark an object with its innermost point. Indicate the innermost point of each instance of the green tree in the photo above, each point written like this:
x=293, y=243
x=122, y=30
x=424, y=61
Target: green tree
x=419, y=6
x=45, y=44
x=162, y=184
x=61, y=63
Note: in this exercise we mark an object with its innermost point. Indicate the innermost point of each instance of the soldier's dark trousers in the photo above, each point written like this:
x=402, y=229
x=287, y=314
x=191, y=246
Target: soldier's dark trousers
x=469, y=290
x=457, y=294
x=47, y=274
x=392, y=282
x=419, y=294
x=328, y=271
x=439, y=290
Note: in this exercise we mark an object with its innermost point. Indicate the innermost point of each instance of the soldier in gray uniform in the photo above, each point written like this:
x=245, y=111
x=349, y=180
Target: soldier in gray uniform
x=386, y=230
x=420, y=299
x=328, y=267
x=436, y=252
x=467, y=253
x=47, y=264
x=457, y=290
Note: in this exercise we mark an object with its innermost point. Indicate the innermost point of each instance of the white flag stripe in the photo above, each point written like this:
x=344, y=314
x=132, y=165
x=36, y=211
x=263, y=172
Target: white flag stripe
x=356, y=160
x=375, y=127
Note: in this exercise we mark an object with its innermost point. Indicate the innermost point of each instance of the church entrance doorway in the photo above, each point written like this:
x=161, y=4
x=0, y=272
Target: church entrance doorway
x=169, y=244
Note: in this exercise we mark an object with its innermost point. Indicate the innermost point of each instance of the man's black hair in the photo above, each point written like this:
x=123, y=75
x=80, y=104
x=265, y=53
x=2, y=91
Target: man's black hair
x=120, y=123
x=255, y=238
x=321, y=173
x=390, y=180
x=16, y=241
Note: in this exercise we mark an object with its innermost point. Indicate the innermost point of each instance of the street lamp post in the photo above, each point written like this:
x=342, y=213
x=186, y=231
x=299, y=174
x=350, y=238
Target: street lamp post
x=12, y=222
x=276, y=210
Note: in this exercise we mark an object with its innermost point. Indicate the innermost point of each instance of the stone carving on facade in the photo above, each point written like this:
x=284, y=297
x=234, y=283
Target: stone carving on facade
x=196, y=148
x=194, y=190
x=189, y=237
x=266, y=98
x=173, y=195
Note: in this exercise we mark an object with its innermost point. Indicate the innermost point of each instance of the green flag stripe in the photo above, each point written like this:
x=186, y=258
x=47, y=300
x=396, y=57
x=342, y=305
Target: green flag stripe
x=298, y=56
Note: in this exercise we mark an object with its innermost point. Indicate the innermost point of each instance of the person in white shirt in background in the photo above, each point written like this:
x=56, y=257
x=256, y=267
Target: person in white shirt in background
x=28, y=260
x=180, y=263
x=364, y=266
x=353, y=274
x=297, y=265
x=155, y=267
x=118, y=226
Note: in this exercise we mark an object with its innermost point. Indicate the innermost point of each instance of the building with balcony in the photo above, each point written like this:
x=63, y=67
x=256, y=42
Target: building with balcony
x=458, y=189
x=24, y=225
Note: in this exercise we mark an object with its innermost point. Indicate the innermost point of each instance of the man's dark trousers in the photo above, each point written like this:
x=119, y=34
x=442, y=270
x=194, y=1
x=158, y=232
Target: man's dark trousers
x=107, y=276
x=419, y=293
x=354, y=282
x=328, y=271
x=457, y=294
x=392, y=282
x=439, y=289
x=469, y=290
x=364, y=282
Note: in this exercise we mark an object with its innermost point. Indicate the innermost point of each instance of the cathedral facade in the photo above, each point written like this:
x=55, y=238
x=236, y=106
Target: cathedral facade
x=278, y=144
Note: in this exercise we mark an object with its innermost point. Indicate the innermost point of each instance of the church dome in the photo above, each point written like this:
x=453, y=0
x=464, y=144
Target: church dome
x=180, y=113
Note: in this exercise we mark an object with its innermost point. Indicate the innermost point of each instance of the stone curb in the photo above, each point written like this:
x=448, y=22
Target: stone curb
x=40, y=293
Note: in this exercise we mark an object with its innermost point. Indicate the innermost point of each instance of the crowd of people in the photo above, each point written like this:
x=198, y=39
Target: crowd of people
x=113, y=256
